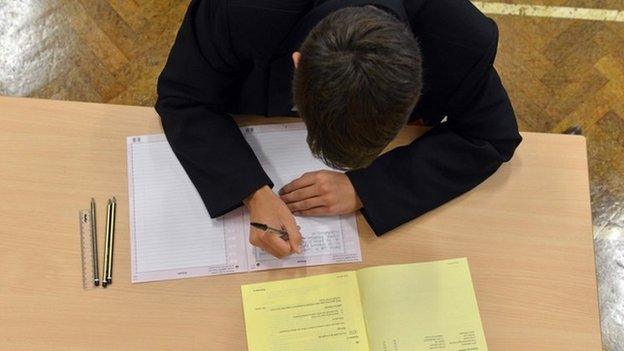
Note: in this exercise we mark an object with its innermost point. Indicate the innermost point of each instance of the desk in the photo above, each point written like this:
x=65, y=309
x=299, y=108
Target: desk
x=526, y=232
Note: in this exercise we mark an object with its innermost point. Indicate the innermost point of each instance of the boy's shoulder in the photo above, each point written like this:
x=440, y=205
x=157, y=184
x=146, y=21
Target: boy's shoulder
x=454, y=23
x=261, y=25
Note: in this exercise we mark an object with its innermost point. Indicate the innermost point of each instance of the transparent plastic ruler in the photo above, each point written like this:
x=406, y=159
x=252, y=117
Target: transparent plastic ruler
x=86, y=249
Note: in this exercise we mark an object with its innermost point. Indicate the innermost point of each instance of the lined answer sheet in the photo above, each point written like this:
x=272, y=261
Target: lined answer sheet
x=173, y=236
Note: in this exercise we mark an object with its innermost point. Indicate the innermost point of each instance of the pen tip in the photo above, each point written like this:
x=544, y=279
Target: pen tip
x=114, y=200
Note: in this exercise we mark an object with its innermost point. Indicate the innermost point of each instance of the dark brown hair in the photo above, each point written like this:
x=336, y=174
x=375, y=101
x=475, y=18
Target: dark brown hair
x=356, y=83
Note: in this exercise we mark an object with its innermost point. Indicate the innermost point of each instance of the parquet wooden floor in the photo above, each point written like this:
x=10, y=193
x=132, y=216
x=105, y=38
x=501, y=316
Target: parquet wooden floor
x=88, y=50
x=564, y=72
x=558, y=72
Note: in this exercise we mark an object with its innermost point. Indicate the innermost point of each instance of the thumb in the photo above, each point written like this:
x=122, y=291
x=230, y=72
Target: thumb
x=294, y=236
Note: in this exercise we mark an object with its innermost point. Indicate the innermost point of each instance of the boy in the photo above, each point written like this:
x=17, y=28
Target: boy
x=356, y=71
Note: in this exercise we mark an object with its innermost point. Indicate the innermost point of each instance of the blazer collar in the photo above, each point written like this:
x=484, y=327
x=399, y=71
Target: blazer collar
x=281, y=68
x=325, y=7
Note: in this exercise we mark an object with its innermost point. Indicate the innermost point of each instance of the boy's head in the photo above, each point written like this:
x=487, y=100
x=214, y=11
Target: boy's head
x=357, y=79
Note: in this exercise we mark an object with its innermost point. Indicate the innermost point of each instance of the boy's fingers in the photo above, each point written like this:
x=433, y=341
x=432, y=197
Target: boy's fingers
x=306, y=204
x=279, y=246
x=270, y=250
x=301, y=182
x=300, y=194
x=317, y=211
x=294, y=236
x=256, y=239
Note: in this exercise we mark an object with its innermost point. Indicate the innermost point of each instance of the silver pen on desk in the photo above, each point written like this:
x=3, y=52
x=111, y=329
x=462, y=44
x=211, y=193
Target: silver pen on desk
x=96, y=276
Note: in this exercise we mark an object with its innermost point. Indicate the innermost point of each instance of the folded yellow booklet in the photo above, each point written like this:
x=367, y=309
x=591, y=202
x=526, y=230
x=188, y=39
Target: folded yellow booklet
x=407, y=307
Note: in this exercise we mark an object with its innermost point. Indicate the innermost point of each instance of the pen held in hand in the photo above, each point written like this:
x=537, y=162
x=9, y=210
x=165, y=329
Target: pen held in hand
x=282, y=233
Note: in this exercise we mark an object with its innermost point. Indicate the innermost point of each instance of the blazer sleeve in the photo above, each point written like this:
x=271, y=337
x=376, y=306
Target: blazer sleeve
x=199, y=78
x=479, y=135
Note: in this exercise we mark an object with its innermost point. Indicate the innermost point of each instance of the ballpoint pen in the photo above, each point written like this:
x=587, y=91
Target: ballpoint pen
x=282, y=233
x=96, y=277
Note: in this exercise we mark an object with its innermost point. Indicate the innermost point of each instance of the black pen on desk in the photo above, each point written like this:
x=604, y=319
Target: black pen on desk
x=111, y=245
x=96, y=276
x=106, y=245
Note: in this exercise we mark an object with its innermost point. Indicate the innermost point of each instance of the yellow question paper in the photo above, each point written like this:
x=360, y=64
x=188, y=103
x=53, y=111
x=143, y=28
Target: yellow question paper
x=421, y=306
x=317, y=313
x=408, y=307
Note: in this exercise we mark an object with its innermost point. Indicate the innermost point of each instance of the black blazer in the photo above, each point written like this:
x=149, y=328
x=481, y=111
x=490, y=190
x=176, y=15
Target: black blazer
x=234, y=56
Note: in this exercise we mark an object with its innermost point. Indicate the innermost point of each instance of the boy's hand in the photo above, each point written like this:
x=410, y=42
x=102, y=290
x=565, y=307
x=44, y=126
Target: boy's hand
x=267, y=208
x=321, y=193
